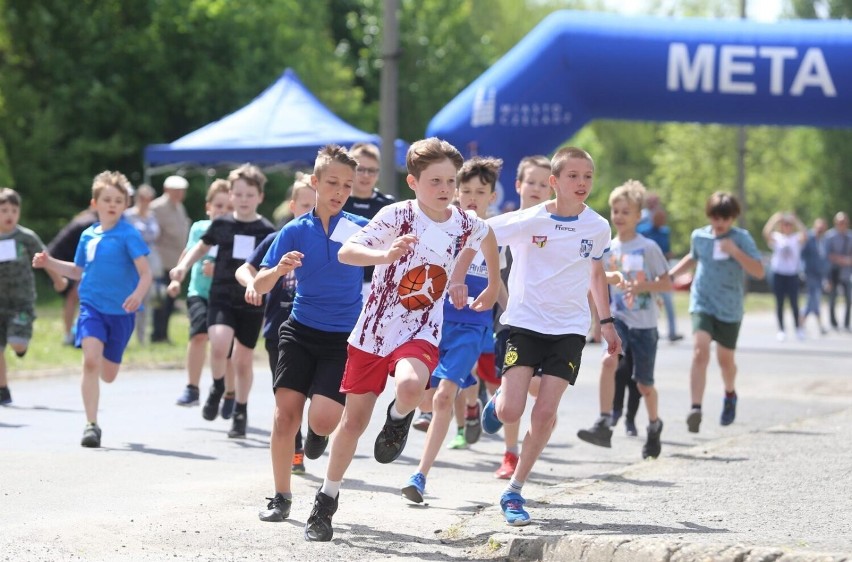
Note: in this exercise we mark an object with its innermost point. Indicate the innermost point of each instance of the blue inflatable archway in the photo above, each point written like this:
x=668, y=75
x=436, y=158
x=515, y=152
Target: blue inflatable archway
x=578, y=66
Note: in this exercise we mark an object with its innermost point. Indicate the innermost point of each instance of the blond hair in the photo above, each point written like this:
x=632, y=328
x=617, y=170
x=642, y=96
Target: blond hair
x=218, y=186
x=333, y=153
x=567, y=153
x=107, y=179
x=631, y=191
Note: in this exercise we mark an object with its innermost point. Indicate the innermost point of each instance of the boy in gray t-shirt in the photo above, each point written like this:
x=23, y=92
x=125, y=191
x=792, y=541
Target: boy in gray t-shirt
x=636, y=269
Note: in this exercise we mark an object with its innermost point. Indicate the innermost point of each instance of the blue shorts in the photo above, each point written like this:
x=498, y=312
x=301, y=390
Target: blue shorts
x=114, y=330
x=639, y=346
x=458, y=352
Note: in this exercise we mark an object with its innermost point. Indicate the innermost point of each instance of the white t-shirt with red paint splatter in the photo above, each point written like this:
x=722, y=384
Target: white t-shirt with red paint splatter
x=407, y=296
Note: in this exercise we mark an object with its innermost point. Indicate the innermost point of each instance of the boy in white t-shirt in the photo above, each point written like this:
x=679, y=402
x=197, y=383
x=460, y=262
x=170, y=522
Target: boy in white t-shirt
x=638, y=269
x=422, y=250
x=557, y=248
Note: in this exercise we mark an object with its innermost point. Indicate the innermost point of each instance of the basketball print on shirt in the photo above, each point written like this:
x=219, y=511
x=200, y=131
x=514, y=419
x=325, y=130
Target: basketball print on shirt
x=421, y=286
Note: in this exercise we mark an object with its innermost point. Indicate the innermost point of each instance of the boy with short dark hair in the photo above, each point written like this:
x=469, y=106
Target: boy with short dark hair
x=114, y=275
x=723, y=255
x=18, y=245
x=420, y=249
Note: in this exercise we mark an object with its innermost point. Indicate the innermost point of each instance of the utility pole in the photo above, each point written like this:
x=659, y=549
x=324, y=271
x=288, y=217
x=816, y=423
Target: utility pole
x=741, y=154
x=388, y=97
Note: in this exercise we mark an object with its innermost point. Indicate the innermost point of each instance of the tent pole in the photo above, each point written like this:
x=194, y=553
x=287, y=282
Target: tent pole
x=388, y=98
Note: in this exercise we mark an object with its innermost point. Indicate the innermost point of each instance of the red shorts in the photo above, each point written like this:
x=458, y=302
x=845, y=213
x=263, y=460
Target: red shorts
x=486, y=369
x=366, y=372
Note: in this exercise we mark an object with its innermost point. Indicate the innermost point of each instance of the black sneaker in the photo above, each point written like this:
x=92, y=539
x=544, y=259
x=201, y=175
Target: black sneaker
x=5, y=396
x=472, y=423
x=315, y=444
x=599, y=434
x=211, y=406
x=693, y=420
x=238, y=425
x=278, y=509
x=392, y=437
x=630, y=427
x=318, y=526
x=652, y=446
x=91, y=436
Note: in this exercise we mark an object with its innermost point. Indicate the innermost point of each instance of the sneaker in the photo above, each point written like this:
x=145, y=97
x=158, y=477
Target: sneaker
x=675, y=337
x=599, y=434
x=630, y=427
x=415, y=488
x=472, y=423
x=507, y=469
x=458, y=442
x=189, y=397
x=315, y=444
x=781, y=336
x=490, y=423
x=614, y=417
x=238, y=426
x=228, y=405
x=318, y=526
x=800, y=334
x=693, y=420
x=277, y=510
x=729, y=410
x=211, y=406
x=298, y=463
x=5, y=396
x=652, y=445
x=91, y=436
x=392, y=438
x=422, y=422
x=512, y=505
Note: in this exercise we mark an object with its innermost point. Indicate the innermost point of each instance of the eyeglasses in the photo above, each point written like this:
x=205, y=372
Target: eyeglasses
x=367, y=171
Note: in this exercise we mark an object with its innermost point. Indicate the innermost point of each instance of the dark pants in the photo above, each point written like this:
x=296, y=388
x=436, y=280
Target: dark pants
x=838, y=283
x=624, y=382
x=786, y=287
x=162, y=313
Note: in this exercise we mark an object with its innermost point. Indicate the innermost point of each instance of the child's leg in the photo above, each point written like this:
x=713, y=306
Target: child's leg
x=355, y=419
x=606, y=386
x=728, y=365
x=698, y=371
x=459, y=403
x=196, y=356
x=542, y=422
x=442, y=413
x=221, y=336
x=242, y=360
x=649, y=393
x=93, y=350
x=289, y=407
x=411, y=377
x=69, y=310
x=512, y=401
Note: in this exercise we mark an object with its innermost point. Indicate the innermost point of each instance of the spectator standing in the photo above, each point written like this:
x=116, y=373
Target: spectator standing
x=141, y=217
x=174, y=231
x=785, y=235
x=815, y=263
x=839, y=248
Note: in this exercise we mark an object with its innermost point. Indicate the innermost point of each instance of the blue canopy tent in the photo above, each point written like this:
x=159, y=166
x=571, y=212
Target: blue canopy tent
x=578, y=66
x=285, y=124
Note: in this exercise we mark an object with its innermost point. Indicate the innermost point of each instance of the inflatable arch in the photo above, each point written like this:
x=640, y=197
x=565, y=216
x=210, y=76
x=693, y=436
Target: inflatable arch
x=578, y=66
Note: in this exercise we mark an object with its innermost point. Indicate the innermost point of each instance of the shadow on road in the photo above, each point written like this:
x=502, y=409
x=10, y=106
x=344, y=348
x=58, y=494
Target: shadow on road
x=142, y=448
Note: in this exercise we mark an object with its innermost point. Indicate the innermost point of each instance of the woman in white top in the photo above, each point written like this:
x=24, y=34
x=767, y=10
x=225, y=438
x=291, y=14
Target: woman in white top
x=141, y=216
x=785, y=234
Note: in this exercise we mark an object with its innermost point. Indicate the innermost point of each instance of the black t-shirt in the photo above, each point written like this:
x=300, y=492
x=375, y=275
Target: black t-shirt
x=64, y=245
x=368, y=208
x=236, y=240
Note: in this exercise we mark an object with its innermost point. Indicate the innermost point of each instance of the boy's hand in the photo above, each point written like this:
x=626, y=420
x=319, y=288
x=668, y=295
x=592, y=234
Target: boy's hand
x=458, y=295
x=207, y=267
x=177, y=273
x=131, y=303
x=728, y=246
x=486, y=299
x=253, y=297
x=40, y=259
x=288, y=262
x=173, y=290
x=613, y=342
x=401, y=246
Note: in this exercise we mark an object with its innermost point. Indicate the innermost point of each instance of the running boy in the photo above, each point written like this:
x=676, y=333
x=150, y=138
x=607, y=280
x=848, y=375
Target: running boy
x=114, y=277
x=464, y=331
x=724, y=254
x=416, y=246
x=231, y=319
x=555, y=245
x=638, y=269
x=18, y=245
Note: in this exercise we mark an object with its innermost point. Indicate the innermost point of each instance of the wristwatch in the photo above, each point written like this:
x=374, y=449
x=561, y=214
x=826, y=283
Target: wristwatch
x=609, y=320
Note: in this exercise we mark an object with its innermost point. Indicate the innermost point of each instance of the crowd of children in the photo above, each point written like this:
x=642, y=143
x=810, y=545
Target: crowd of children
x=433, y=291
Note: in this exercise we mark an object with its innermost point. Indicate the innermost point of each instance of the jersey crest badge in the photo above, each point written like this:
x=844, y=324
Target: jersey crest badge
x=585, y=247
x=539, y=241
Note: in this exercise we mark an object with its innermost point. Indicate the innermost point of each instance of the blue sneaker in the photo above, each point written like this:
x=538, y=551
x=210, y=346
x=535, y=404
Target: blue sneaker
x=512, y=505
x=490, y=423
x=229, y=402
x=189, y=397
x=729, y=410
x=415, y=488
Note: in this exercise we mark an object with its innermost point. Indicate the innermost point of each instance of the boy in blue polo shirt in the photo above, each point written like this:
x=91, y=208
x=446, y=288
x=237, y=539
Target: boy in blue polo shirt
x=464, y=330
x=312, y=341
x=114, y=275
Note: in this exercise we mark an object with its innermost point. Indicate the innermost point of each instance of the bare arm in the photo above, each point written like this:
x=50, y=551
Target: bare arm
x=486, y=299
x=187, y=259
x=143, y=268
x=266, y=278
x=752, y=266
x=600, y=298
x=246, y=276
x=356, y=254
x=43, y=260
x=687, y=263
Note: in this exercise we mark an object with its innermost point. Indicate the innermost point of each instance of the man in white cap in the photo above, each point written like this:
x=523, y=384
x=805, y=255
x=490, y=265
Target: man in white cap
x=174, y=230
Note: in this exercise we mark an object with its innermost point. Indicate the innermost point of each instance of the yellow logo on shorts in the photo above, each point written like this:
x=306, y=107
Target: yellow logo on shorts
x=511, y=357
x=573, y=368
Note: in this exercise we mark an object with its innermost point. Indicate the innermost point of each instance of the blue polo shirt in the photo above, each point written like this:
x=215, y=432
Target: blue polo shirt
x=279, y=301
x=476, y=281
x=328, y=293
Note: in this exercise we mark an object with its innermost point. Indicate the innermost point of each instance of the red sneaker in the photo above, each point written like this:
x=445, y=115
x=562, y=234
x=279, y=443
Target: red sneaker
x=507, y=469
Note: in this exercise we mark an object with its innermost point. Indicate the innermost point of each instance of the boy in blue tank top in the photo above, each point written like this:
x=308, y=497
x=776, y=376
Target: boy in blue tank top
x=114, y=275
x=464, y=330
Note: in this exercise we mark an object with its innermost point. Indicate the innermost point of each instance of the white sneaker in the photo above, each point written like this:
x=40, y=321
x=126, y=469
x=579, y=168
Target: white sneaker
x=800, y=333
x=780, y=336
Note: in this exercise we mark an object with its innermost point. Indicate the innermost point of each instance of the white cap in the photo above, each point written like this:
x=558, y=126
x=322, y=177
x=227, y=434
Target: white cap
x=175, y=182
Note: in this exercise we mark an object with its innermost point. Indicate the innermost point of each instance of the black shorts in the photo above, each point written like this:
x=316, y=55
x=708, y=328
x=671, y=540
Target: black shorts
x=246, y=322
x=271, y=345
x=311, y=361
x=557, y=355
x=196, y=309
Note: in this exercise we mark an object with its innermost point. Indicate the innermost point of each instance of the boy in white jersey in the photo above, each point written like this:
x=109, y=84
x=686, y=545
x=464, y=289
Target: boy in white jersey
x=637, y=268
x=557, y=248
x=416, y=247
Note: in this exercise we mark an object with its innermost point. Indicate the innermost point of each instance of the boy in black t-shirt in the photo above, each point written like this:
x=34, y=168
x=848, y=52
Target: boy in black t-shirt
x=234, y=314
